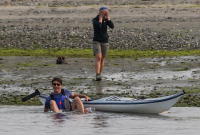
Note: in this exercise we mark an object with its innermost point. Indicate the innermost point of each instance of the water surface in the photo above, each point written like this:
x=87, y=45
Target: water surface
x=23, y=120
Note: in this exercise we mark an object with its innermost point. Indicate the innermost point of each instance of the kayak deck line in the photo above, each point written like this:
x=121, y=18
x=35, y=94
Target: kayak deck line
x=131, y=101
x=139, y=101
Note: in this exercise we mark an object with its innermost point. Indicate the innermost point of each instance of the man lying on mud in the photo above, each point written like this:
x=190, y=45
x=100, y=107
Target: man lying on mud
x=59, y=99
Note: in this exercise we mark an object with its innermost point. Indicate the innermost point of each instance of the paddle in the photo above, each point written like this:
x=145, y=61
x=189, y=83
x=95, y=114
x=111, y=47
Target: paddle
x=31, y=95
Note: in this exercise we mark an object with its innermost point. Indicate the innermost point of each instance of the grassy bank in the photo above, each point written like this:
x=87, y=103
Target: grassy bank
x=87, y=53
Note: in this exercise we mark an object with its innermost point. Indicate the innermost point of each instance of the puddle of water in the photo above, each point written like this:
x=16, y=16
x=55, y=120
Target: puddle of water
x=153, y=75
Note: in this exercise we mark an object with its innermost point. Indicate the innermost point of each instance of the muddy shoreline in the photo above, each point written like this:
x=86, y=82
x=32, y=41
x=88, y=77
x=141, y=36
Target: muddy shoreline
x=142, y=25
x=144, y=77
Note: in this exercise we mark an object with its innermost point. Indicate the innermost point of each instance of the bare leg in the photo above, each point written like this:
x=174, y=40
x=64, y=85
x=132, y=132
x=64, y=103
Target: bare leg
x=102, y=64
x=98, y=62
x=53, y=106
x=78, y=105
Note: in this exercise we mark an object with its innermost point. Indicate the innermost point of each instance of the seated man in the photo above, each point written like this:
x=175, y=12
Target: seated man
x=59, y=98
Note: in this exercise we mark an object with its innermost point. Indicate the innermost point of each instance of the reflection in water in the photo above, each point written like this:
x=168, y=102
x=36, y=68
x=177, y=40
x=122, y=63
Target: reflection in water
x=59, y=118
x=159, y=116
x=31, y=120
x=100, y=121
x=99, y=87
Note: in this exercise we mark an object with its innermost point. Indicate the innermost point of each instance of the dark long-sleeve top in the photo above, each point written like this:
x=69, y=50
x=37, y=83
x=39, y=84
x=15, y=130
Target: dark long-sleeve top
x=100, y=29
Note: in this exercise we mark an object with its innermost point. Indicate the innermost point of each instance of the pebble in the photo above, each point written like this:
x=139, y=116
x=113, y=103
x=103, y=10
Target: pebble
x=27, y=33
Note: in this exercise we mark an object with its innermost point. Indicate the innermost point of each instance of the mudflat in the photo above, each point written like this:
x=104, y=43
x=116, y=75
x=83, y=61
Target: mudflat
x=142, y=25
x=146, y=77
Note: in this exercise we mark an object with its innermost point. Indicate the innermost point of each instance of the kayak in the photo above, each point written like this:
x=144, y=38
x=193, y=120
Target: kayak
x=130, y=105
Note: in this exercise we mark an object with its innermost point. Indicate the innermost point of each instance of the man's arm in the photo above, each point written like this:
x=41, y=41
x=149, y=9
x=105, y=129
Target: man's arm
x=102, y=13
x=47, y=105
x=46, y=110
x=110, y=23
x=98, y=23
x=80, y=96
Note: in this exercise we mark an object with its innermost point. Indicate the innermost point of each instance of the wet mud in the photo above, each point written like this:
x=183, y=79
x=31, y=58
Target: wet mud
x=140, y=25
x=137, y=78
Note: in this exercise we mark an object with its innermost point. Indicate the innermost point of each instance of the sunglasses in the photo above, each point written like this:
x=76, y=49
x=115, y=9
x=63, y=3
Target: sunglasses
x=58, y=84
x=102, y=8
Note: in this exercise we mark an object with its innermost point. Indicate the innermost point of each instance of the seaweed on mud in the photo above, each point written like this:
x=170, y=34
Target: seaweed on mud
x=10, y=99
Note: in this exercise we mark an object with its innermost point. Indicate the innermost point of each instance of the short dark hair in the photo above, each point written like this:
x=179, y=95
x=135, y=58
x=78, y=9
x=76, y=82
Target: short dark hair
x=57, y=79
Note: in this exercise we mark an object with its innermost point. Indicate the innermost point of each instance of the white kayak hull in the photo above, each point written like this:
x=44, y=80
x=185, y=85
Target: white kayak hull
x=130, y=105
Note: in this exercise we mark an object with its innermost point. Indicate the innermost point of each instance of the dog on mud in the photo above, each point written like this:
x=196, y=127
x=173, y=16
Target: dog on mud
x=61, y=60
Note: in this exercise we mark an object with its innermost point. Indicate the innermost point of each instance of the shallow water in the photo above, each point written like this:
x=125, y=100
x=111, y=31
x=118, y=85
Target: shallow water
x=23, y=120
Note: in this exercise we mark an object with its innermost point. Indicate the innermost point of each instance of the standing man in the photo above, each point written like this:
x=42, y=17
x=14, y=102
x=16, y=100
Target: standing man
x=59, y=99
x=100, y=39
